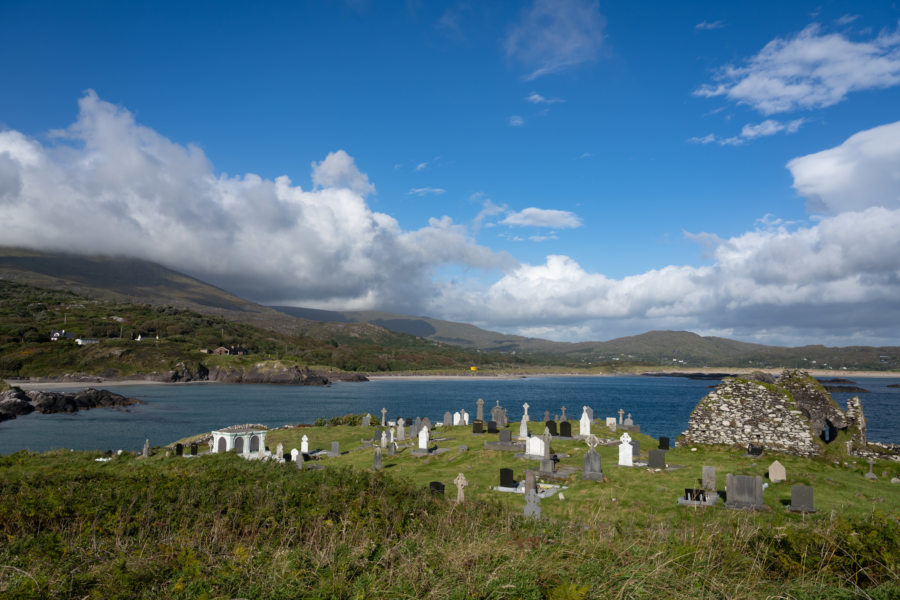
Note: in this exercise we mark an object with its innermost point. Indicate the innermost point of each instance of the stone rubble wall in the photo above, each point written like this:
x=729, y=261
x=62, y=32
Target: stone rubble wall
x=742, y=412
x=813, y=400
x=856, y=419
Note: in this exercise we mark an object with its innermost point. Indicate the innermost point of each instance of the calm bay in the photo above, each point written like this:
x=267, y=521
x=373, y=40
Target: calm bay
x=660, y=405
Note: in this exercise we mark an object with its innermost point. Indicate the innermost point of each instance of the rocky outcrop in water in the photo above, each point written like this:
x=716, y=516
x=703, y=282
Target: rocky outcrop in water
x=15, y=402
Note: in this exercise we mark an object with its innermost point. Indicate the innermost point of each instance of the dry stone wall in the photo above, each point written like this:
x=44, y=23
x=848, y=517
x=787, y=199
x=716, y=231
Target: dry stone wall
x=743, y=412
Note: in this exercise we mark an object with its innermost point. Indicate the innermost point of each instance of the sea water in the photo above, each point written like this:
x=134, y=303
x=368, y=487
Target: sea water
x=660, y=405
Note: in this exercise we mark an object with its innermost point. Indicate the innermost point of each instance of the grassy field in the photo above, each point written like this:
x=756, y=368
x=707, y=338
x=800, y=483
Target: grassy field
x=218, y=526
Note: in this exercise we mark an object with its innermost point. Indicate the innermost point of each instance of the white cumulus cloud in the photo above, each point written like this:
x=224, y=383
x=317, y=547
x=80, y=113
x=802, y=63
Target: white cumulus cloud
x=110, y=185
x=813, y=69
x=543, y=217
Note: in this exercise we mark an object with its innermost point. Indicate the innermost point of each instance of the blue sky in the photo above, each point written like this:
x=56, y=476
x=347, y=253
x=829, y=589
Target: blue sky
x=571, y=169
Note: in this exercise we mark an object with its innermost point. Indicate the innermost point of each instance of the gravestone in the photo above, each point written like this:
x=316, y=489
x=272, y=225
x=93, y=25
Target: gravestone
x=506, y=436
x=635, y=448
x=179, y=449
x=299, y=462
x=426, y=423
x=562, y=414
x=547, y=465
x=457, y=418
x=506, y=478
x=465, y=416
x=424, y=438
x=628, y=422
x=743, y=491
x=626, y=458
x=376, y=461
x=802, y=499
x=335, y=449
x=565, y=429
x=590, y=412
x=754, y=450
x=663, y=443
x=546, y=416
x=546, y=438
x=492, y=426
x=286, y=457
x=279, y=450
x=194, y=449
x=414, y=430
x=551, y=425
x=384, y=417
x=708, y=480
x=611, y=423
x=477, y=427
x=505, y=422
x=532, y=505
x=384, y=438
x=479, y=411
x=777, y=474
x=530, y=481
x=871, y=475
x=146, y=451
x=584, y=425
x=523, y=428
x=525, y=416
x=401, y=429
x=295, y=454
x=657, y=459
x=367, y=420
x=436, y=488
x=304, y=445
x=497, y=414
x=621, y=414
x=392, y=449
x=592, y=466
x=461, y=484
x=448, y=419
x=534, y=446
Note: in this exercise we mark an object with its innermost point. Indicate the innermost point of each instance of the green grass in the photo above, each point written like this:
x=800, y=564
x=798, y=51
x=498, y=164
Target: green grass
x=219, y=526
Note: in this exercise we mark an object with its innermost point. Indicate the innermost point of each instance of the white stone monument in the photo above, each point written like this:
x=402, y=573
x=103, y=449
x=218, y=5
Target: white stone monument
x=465, y=416
x=534, y=446
x=457, y=418
x=611, y=423
x=461, y=484
x=423, y=438
x=625, y=456
x=295, y=455
x=304, y=445
x=585, y=423
x=384, y=438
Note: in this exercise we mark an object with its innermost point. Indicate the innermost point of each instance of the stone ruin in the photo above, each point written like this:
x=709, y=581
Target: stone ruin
x=792, y=414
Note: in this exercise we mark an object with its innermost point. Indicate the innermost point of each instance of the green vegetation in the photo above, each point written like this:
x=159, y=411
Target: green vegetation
x=28, y=316
x=222, y=527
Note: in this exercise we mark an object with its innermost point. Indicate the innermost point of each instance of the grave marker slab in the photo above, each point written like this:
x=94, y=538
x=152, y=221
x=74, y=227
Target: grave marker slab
x=744, y=491
x=657, y=459
x=532, y=505
x=584, y=425
x=802, y=499
x=551, y=426
x=506, y=478
x=194, y=449
x=709, y=478
x=664, y=443
x=461, y=484
x=304, y=444
x=448, y=419
x=592, y=466
x=367, y=420
x=335, y=449
x=492, y=426
x=754, y=450
x=530, y=481
x=479, y=411
x=477, y=427
x=505, y=436
x=626, y=457
x=179, y=449
x=565, y=429
x=376, y=460
x=635, y=448
x=777, y=474
x=611, y=423
x=436, y=488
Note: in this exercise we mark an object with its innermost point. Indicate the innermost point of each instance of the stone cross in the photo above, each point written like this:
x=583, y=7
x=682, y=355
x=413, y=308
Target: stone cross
x=383, y=417
x=304, y=444
x=621, y=413
x=562, y=416
x=461, y=484
x=525, y=416
x=592, y=441
x=870, y=474
x=479, y=412
x=546, y=437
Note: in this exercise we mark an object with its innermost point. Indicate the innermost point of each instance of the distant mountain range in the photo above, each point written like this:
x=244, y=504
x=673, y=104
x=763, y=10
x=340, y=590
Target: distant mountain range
x=128, y=279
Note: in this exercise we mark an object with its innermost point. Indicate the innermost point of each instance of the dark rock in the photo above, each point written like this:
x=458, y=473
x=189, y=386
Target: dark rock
x=14, y=403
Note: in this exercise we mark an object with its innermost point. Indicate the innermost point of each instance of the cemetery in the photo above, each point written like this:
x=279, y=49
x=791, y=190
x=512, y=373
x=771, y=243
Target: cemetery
x=467, y=495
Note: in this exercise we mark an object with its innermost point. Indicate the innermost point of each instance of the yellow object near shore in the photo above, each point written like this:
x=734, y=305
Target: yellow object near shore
x=473, y=368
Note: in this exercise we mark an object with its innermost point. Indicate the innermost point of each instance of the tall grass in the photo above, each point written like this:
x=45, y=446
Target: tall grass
x=222, y=527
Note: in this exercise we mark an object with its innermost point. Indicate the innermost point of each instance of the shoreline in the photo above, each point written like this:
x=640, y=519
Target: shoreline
x=99, y=381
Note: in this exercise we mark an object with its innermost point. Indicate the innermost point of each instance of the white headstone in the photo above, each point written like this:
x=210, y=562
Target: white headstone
x=461, y=484
x=457, y=418
x=465, y=416
x=304, y=445
x=525, y=416
x=625, y=456
x=295, y=455
x=384, y=438
x=611, y=423
x=523, y=428
x=279, y=451
x=534, y=446
x=585, y=423
x=423, y=438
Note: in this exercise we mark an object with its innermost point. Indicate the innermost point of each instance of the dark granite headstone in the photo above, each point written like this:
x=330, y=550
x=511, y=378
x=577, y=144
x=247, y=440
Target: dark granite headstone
x=565, y=429
x=506, y=478
x=551, y=425
x=754, y=450
x=477, y=427
x=506, y=436
x=287, y=457
x=657, y=459
x=664, y=443
x=194, y=449
x=436, y=488
x=492, y=426
x=743, y=491
x=635, y=448
x=592, y=466
x=802, y=498
x=179, y=449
